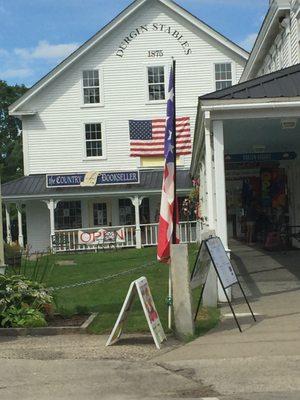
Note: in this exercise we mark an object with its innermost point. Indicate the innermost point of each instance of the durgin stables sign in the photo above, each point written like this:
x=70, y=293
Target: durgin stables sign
x=155, y=27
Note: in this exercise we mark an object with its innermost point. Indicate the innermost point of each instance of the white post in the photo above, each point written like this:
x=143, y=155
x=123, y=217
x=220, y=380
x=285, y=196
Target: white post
x=20, y=225
x=210, y=295
x=137, y=201
x=220, y=192
x=2, y=265
x=8, y=226
x=51, y=204
x=209, y=173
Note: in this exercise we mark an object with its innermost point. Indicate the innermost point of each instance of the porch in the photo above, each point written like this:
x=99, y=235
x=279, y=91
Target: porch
x=80, y=218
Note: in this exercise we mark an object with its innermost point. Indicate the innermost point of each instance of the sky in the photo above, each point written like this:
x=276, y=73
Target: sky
x=35, y=35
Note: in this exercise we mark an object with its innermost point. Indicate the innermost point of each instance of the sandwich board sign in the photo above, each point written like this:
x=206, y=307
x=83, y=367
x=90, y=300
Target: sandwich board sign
x=140, y=288
x=213, y=252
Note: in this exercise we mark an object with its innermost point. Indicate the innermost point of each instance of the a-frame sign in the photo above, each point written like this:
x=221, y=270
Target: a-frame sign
x=213, y=252
x=140, y=288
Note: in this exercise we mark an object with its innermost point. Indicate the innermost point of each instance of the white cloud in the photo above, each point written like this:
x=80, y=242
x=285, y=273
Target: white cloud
x=45, y=50
x=249, y=41
x=16, y=73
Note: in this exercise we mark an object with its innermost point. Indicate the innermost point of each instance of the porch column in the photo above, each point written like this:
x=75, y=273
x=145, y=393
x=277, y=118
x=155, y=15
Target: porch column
x=220, y=194
x=8, y=226
x=209, y=173
x=20, y=225
x=137, y=201
x=52, y=204
x=2, y=265
x=220, y=190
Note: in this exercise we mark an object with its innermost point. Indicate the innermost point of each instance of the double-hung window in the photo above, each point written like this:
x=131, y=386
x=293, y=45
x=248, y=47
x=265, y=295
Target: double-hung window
x=223, y=75
x=91, y=86
x=156, y=83
x=94, y=140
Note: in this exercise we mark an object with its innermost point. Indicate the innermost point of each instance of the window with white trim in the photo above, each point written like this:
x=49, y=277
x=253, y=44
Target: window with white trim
x=223, y=75
x=156, y=83
x=94, y=140
x=91, y=86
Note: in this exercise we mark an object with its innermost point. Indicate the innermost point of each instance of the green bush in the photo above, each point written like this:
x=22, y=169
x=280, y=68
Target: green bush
x=22, y=302
x=14, y=317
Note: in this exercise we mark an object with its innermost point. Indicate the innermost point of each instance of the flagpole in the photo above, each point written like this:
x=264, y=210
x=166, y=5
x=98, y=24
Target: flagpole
x=174, y=238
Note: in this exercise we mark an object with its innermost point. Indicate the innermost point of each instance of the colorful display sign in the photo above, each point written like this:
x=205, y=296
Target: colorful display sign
x=101, y=179
x=141, y=288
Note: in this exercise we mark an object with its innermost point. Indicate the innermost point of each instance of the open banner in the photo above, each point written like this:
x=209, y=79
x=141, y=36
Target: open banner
x=101, y=236
x=141, y=288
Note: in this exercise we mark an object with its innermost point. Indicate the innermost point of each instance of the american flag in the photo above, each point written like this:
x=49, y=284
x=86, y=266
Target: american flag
x=147, y=137
x=168, y=199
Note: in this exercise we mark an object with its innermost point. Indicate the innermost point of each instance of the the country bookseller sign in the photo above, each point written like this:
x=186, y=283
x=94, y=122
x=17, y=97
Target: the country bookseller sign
x=93, y=178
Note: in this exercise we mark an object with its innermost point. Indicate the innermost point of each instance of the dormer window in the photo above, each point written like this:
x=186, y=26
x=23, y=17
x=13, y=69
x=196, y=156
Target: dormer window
x=91, y=86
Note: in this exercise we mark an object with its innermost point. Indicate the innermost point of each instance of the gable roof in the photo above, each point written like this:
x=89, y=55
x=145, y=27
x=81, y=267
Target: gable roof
x=283, y=83
x=134, y=6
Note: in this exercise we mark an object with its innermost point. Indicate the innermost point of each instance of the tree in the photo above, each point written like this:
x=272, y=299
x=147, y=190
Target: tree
x=11, y=155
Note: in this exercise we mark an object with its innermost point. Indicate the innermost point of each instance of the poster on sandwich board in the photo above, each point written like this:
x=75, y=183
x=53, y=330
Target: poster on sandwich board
x=140, y=288
x=212, y=252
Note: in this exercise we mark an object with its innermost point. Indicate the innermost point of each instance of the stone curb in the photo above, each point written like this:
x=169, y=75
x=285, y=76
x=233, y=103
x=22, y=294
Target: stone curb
x=49, y=330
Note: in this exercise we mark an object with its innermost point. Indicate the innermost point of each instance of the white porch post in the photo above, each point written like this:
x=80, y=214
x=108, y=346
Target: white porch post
x=51, y=204
x=220, y=193
x=8, y=226
x=20, y=225
x=209, y=174
x=137, y=201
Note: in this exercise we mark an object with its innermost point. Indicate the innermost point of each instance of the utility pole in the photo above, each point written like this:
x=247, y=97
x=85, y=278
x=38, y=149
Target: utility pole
x=2, y=265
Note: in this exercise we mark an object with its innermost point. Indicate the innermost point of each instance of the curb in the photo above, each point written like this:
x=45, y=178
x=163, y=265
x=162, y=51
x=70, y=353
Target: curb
x=49, y=330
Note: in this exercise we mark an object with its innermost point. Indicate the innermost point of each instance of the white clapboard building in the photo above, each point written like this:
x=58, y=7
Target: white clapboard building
x=93, y=128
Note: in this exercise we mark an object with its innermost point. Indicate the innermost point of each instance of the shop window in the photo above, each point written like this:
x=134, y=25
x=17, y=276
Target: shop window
x=100, y=214
x=91, y=87
x=68, y=215
x=156, y=83
x=94, y=140
x=126, y=212
x=223, y=75
x=145, y=211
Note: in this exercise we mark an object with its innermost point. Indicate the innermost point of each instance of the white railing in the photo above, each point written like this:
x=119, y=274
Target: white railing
x=67, y=240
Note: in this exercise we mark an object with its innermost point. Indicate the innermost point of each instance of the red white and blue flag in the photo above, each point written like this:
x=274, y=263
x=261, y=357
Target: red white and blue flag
x=168, y=207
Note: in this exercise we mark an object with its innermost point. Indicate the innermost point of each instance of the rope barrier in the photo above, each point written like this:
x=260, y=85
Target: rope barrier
x=99, y=280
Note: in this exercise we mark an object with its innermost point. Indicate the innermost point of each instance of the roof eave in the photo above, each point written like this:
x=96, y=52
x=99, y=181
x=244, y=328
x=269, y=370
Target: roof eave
x=266, y=31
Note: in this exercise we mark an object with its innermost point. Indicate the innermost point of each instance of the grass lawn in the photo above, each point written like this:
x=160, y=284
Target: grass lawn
x=107, y=297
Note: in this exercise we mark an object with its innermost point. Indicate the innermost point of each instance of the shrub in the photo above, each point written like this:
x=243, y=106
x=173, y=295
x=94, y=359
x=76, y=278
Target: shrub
x=14, y=317
x=22, y=302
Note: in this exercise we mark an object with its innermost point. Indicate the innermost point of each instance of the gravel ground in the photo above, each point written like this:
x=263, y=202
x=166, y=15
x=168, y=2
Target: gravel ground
x=85, y=347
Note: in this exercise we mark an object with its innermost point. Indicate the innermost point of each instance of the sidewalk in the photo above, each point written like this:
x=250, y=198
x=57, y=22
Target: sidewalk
x=265, y=358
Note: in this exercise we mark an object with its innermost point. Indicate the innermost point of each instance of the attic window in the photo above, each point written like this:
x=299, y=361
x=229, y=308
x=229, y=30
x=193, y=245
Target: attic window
x=91, y=87
x=223, y=75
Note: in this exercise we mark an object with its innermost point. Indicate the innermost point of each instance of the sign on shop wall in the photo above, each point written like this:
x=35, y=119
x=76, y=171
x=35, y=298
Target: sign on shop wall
x=102, y=235
x=172, y=32
x=93, y=178
x=139, y=288
x=261, y=157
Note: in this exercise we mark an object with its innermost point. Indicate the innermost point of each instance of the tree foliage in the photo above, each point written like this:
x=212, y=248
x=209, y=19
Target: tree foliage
x=11, y=155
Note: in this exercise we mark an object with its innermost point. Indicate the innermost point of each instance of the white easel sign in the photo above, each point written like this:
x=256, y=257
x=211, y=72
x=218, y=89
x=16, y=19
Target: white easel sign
x=141, y=288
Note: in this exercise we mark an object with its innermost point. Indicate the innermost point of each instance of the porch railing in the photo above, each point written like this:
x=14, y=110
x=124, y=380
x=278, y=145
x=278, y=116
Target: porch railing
x=67, y=240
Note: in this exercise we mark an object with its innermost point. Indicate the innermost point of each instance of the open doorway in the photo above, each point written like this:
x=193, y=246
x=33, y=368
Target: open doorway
x=261, y=161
